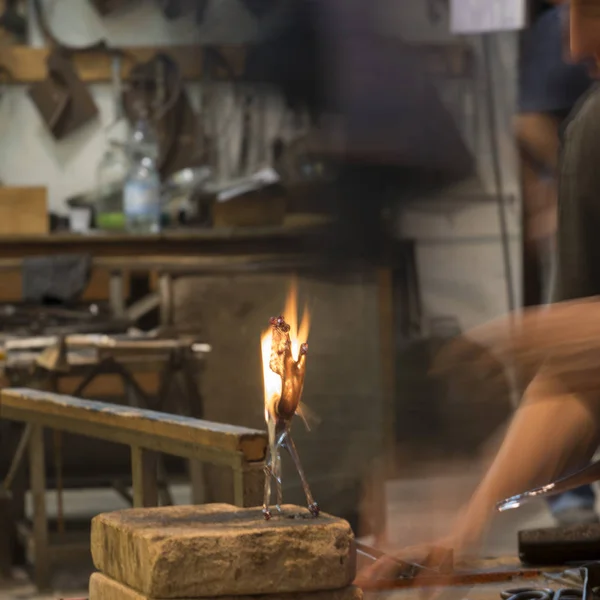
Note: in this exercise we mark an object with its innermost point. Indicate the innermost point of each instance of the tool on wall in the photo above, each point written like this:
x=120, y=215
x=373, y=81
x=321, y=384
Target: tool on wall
x=62, y=99
x=13, y=21
x=156, y=88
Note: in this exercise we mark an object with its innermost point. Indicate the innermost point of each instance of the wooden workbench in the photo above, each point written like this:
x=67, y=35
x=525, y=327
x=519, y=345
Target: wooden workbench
x=120, y=251
x=174, y=254
x=224, y=240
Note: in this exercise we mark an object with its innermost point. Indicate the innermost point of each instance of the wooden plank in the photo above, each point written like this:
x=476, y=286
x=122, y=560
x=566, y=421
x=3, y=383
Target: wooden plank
x=23, y=210
x=183, y=449
x=28, y=65
x=144, y=476
x=37, y=474
x=24, y=404
x=174, y=264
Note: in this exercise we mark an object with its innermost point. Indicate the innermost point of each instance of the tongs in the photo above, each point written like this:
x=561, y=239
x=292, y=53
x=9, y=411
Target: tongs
x=583, y=477
x=436, y=571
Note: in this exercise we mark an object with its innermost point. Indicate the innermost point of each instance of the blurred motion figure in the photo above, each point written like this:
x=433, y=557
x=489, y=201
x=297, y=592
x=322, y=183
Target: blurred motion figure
x=556, y=429
x=550, y=84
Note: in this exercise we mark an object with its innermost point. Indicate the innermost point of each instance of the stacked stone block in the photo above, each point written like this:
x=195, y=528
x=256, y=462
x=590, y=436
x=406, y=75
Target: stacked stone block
x=221, y=551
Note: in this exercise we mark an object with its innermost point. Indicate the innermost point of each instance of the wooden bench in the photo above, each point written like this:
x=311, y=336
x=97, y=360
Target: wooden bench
x=147, y=433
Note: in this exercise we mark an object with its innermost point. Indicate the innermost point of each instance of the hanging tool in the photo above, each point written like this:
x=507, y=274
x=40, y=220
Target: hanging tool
x=13, y=21
x=171, y=9
x=117, y=91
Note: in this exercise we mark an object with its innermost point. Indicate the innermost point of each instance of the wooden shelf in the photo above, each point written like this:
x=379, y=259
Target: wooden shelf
x=28, y=65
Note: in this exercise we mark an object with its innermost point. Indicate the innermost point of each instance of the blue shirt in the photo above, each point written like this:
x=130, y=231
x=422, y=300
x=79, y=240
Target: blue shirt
x=548, y=83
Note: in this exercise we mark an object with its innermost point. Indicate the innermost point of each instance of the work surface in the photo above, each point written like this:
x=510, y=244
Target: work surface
x=402, y=497
x=73, y=584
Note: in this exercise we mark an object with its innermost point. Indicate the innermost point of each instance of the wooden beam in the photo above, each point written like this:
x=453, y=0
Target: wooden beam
x=28, y=65
x=173, y=434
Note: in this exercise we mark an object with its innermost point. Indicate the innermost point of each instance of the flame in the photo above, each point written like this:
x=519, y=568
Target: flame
x=298, y=336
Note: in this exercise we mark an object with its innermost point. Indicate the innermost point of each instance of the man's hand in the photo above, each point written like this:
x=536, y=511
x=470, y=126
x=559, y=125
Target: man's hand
x=425, y=559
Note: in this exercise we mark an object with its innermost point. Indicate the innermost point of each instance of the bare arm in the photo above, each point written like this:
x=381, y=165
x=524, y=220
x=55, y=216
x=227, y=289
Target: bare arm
x=553, y=433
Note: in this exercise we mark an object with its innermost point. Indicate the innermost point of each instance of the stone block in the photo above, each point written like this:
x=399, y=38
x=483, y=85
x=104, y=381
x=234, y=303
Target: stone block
x=218, y=550
x=105, y=588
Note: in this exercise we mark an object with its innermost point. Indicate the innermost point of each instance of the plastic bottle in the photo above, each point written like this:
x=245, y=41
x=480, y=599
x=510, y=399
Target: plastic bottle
x=111, y=174
x=141, y=195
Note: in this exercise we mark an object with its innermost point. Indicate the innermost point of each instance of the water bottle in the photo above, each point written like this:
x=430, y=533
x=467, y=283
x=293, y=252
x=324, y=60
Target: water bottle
x=111, y=174
x=141, y=195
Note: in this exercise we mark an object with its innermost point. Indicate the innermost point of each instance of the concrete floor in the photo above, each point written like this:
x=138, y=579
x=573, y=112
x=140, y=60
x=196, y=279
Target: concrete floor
x=418, y=510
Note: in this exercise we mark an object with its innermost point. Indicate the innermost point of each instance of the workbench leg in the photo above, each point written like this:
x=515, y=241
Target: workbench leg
x=388, y=362
x=37, y=474
x=144, y=475
x=6, y=531
x=197, y=481
x=248, y=484
x=117, y=294
x=165, y=290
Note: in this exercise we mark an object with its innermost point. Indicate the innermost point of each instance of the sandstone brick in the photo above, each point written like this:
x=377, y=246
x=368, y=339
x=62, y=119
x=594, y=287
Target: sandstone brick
x=219, y=550
x=105, y=588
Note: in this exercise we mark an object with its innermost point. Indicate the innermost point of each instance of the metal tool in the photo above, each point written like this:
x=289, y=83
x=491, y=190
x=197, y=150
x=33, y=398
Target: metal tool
x=542, y=594
x=453, y=580
x=409, y=568
x=583, y=477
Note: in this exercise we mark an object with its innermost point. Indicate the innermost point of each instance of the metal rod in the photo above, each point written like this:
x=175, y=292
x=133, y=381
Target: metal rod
x=457, y=579
x=497, y=169
x=271, y=454
x=290, y=446
x=585, y=476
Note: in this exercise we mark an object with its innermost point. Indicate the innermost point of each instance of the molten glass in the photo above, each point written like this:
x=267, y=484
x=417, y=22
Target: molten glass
x=284, y=367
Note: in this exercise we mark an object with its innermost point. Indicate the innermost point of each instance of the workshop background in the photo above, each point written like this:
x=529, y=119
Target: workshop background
x=457, y=263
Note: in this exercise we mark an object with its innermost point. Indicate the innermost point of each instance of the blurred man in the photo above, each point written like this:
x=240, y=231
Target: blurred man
x=557, y=427
x=549, y=87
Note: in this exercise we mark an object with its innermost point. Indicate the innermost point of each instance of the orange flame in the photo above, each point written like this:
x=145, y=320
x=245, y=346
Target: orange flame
x=298, y=336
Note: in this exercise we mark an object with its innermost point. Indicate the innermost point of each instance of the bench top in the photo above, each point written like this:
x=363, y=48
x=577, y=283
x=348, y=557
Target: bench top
x=174, y=434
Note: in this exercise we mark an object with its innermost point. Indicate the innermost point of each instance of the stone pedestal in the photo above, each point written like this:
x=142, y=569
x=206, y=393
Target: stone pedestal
x=218, y=550
x=104, y=588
